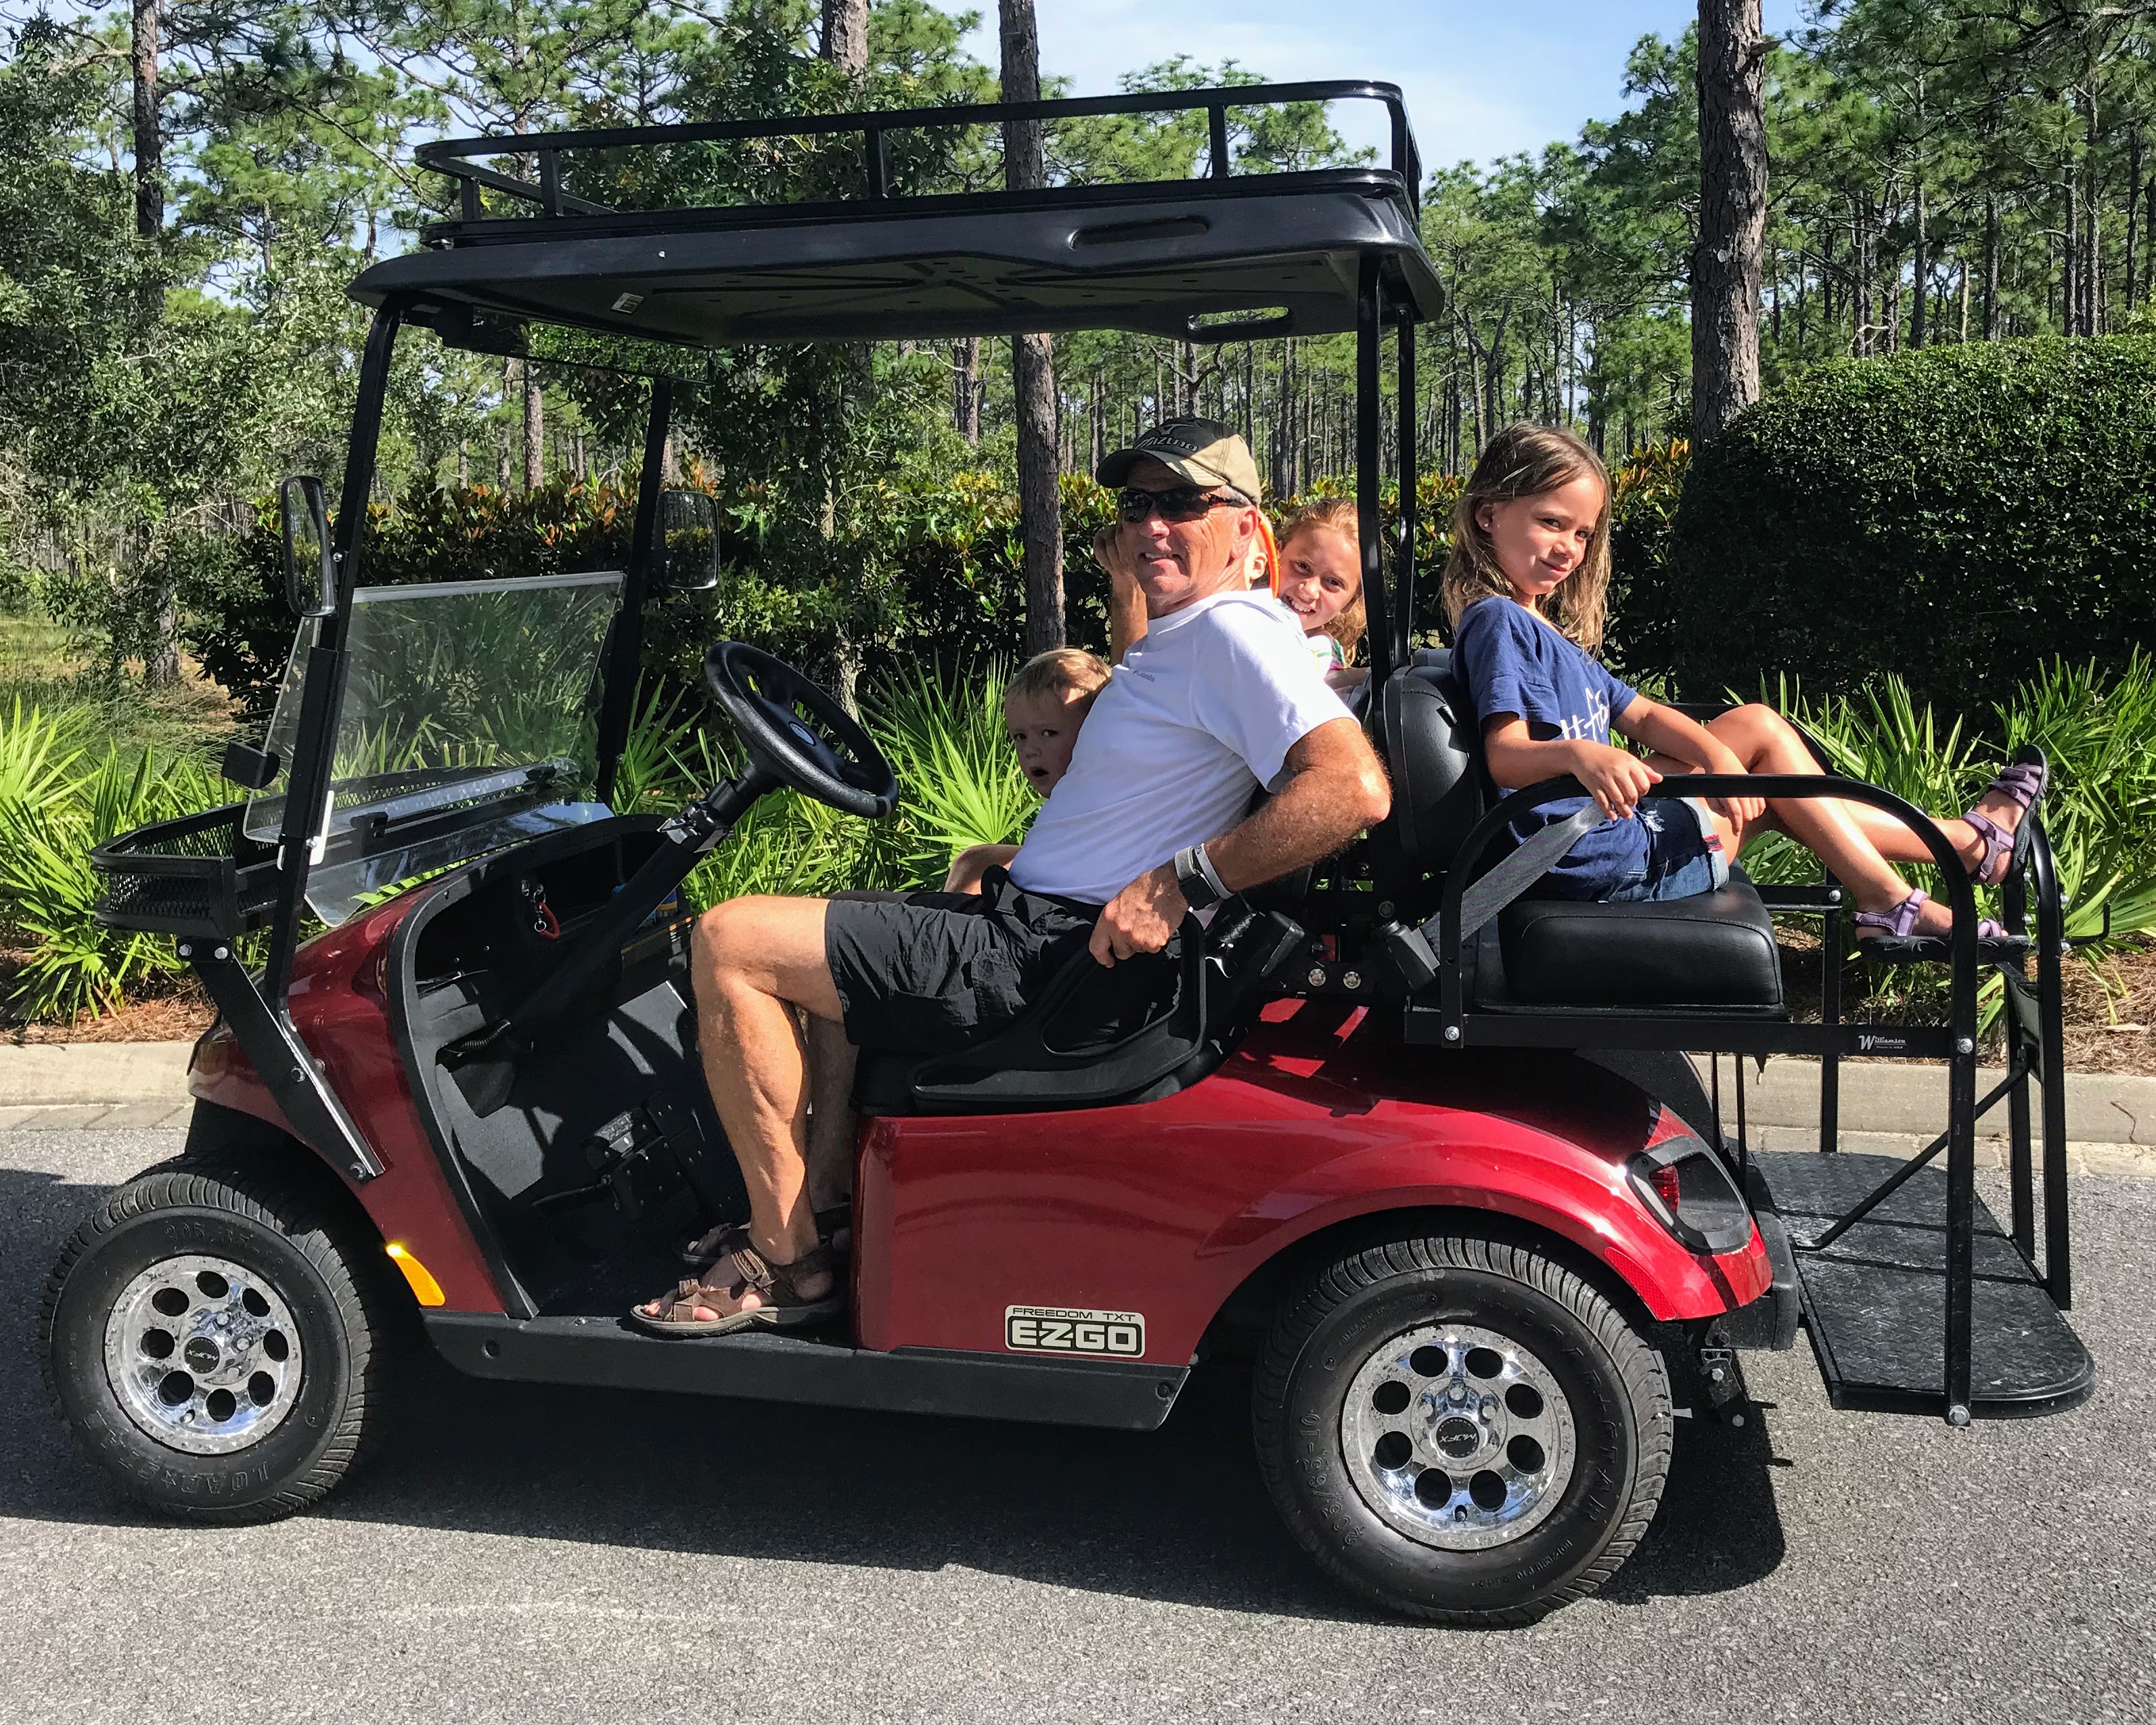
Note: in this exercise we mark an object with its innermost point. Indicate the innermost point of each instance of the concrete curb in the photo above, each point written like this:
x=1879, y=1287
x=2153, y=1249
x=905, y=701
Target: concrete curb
x=1885, y=1096
x=49, y=1074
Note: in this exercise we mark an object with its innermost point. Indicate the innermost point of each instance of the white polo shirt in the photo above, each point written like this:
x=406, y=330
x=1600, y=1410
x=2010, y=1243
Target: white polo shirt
x=1201, y=712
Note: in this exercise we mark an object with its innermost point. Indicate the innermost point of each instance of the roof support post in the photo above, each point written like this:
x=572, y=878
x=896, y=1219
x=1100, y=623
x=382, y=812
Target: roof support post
x=625, y=639
x=1410, y=467
x=1369, y=333
x=321, y=703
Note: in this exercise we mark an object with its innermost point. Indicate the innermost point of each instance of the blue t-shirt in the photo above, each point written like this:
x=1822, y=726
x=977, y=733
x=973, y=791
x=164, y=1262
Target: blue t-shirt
x=1513, y=662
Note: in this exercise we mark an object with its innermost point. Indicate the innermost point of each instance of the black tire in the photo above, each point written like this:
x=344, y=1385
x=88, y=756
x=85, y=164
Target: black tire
x=325, y=1278
x=1351, y=1318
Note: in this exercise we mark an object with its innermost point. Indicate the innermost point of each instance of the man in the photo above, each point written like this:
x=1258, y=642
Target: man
x=1219, y=697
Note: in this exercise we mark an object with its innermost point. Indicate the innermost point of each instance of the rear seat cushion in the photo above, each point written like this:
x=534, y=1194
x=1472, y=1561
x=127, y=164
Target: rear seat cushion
x=1715, y=949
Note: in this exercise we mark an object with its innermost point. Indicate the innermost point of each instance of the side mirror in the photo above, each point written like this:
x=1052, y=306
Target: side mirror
x=689, y=541
x=310, y=564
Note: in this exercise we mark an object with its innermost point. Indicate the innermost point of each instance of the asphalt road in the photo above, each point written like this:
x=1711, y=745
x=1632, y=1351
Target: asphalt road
x=528, y=1554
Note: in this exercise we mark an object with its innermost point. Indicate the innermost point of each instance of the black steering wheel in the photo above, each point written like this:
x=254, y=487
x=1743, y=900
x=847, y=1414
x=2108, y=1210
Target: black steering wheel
x=798, y=732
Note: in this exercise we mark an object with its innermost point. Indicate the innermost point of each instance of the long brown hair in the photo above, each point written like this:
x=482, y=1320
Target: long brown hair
x=1524, y=461
x=1335, y=514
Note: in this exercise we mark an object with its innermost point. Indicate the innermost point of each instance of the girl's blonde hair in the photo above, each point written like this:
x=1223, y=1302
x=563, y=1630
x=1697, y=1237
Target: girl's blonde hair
x=1524, y=461
x=1335, y=514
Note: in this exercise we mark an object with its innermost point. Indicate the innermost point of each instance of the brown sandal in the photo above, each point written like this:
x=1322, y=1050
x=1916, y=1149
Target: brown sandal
x=834, y=1228
x=743, y=1268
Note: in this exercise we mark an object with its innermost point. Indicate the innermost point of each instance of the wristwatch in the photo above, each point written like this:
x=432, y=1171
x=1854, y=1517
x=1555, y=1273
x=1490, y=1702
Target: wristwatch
x=1199, y=880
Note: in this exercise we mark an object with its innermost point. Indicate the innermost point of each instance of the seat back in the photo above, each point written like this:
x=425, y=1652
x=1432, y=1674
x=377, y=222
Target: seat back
x=1432, y=747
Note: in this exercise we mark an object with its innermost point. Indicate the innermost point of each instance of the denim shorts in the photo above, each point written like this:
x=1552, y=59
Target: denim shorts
x=1684, y=853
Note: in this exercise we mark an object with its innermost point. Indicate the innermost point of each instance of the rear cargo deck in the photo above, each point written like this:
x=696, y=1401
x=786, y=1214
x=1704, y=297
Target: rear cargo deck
x=1875, y=1301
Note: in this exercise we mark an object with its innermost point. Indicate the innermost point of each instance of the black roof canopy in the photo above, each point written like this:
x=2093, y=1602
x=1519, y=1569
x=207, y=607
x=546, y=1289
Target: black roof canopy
x=1225, y=257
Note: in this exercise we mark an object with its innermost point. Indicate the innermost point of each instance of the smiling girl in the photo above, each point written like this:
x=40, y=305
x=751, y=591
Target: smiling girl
x=1320, y=582
x=1525, y=587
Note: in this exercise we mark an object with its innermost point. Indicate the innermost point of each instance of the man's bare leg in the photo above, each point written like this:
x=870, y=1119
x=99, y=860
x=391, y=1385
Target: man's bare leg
x=753, y=961
x=832, y=1123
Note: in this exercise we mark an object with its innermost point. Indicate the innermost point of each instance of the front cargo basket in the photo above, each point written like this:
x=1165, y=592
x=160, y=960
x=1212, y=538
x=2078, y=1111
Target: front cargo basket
x=199, y=874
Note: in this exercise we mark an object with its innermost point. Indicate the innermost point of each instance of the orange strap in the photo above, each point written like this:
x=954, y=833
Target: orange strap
x=1272, y=553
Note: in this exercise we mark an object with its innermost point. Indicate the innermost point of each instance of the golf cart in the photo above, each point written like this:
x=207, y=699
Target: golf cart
x=1426, y=1152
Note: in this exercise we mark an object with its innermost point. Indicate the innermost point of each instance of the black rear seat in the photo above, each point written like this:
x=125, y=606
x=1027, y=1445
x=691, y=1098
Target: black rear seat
x=1715, y=952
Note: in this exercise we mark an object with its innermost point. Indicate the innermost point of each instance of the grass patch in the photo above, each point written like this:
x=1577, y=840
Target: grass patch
x=46, y=666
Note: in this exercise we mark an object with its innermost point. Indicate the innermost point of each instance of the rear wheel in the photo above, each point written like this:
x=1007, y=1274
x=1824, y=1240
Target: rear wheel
x=216, y=1342
x=1462, y=1429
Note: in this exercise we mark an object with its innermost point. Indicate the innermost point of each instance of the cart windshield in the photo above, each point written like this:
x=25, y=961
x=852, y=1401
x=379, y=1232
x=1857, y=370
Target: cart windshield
x=469, y=722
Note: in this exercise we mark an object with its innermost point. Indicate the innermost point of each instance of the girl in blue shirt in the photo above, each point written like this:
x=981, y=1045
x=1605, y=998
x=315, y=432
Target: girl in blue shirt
x=1525, y=587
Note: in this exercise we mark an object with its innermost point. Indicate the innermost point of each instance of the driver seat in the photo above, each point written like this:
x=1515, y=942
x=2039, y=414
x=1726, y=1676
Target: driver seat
x=1713, y=953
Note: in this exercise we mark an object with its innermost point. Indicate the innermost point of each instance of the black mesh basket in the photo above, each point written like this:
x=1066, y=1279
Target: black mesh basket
x=199, y=874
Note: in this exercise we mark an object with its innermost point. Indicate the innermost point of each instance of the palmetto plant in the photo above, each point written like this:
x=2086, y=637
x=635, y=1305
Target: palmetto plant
x=2098, y=731
x=956, y=767
x=48, y=892
x=960, y=785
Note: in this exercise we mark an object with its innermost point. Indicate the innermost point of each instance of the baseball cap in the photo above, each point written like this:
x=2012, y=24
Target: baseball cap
x=1200, y=452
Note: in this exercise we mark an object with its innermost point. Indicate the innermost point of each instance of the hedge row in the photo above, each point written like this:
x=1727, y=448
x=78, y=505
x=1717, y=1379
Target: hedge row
x=945, y=585
x=1960, y=516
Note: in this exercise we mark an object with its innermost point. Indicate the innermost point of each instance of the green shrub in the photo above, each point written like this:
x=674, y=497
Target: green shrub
x=1959, y=515
x=2097, y=729
x=52, y=813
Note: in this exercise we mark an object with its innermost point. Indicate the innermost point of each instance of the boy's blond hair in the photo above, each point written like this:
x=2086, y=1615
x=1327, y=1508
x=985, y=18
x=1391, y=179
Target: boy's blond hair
x=1061, y=673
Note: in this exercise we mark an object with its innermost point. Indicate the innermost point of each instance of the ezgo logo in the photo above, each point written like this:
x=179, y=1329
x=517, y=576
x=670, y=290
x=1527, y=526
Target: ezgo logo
x=1051, y=1329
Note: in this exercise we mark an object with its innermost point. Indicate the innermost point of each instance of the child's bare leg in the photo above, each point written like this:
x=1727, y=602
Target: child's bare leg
x=1767, y=742
x=832, y=1123
x=1822, y=826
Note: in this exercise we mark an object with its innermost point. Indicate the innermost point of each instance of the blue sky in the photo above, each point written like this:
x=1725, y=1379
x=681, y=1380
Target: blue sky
x=1481, y=79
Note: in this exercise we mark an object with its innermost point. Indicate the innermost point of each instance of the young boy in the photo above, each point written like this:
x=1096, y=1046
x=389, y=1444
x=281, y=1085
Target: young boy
x=1043, y=707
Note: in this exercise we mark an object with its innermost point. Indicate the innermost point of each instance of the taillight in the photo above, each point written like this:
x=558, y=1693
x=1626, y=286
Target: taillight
x=1685, y=1187
x=1669, y=1187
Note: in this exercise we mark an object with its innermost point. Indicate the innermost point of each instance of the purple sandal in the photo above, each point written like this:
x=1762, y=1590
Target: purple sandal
x=2023, y=784
x=1899, y=923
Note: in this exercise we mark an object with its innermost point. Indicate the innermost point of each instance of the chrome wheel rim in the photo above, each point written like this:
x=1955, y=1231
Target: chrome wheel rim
x=202, y=1354
x=1458, y=1437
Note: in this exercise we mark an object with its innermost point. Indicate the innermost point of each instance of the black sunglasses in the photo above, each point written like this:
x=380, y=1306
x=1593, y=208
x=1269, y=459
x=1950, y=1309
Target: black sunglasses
x=1185, y=503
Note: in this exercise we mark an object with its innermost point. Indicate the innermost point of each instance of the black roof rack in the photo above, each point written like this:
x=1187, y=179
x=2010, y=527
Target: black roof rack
x=1224, y=257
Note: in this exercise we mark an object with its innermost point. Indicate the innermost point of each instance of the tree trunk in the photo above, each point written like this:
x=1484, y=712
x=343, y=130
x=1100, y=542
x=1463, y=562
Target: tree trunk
x=535, y=425
x=965, y=390
x=2092, y=221
x=1923, y=271
x=1861, y=259
x=846, y=35
x=162, y=666
x=2132, y=213
x=149, y=138
x=2070, y=286
x=1990, y=268
x=1033, y=357
x=1733, y=215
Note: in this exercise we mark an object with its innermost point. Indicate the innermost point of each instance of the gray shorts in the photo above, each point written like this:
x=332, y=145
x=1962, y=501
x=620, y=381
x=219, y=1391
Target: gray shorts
x=934, y=971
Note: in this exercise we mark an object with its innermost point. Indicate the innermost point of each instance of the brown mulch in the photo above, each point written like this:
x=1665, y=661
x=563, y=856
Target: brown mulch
x=2111, y=1017
x=179, y=1012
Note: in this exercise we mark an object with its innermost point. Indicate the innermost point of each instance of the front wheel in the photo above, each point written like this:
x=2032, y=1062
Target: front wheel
x=1462, y=1429
x=216, y=1342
